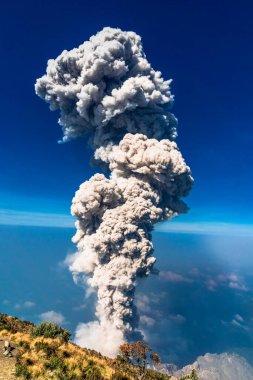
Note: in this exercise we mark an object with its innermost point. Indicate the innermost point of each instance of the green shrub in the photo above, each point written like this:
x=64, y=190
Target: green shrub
x=63, y=376
x=56, y=362
x=119, y=376
x=13, y=324
x=91, y=362
x=66, y=354
x=48, y=349
x=23, y=371
x=29, y=361
x=92, y=373
x=193, y=376
x=51, y=330
x=25, y=345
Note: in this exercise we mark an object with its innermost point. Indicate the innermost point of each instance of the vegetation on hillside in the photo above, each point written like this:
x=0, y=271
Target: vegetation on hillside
x=138, y=354
x=46, y=353
x=50, y=330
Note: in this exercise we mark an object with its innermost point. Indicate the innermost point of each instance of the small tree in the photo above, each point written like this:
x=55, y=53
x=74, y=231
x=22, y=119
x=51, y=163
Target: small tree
x=193, y=376
x=139, y=354
x=51, y=330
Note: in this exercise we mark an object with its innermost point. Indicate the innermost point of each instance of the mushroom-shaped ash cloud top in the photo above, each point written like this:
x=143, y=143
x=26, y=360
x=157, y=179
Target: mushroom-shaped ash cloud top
x=106, y=87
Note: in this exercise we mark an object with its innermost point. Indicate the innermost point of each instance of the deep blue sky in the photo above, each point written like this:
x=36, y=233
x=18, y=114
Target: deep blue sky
x=205, y=46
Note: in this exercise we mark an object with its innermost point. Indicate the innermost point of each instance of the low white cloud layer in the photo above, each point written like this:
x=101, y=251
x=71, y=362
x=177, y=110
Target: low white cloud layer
x=143, y=303
x=209, y=228
x=237, y=322
x=29, y=218
x=37, y=219
x=173, y=277
x=147, y=321
x=230, y=280
x=25, y=304
x=178, y=318
x=52, y=316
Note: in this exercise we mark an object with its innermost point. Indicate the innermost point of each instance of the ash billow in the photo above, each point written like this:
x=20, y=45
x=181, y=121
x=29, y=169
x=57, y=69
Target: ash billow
x=107, y=89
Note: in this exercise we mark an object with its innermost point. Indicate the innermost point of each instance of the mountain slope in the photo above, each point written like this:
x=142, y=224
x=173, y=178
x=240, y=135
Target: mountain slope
x=220, y=367
x=58, y=359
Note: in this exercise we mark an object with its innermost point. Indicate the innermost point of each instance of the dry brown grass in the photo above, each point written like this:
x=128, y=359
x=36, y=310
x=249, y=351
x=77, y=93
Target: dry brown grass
x=75, y=358
x=55, y=359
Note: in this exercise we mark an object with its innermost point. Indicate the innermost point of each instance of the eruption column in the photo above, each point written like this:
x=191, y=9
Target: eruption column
x=106, y=89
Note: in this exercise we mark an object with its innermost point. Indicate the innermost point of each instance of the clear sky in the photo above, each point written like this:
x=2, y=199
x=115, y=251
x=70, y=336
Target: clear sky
x=205, y=46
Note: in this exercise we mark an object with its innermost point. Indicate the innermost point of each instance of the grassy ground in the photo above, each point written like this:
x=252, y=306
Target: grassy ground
x=57, y=359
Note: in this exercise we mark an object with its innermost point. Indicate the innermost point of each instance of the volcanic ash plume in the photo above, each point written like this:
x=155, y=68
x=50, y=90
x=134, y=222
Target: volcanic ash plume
x=107, y=89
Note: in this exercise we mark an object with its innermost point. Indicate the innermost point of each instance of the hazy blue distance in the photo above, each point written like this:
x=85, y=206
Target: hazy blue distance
x=190, y=319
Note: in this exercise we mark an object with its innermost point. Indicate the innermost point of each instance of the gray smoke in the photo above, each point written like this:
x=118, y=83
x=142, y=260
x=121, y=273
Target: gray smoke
x=107, y=89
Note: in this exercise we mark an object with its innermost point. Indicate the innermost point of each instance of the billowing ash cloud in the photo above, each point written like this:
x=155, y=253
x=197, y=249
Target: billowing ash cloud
x=107, y=89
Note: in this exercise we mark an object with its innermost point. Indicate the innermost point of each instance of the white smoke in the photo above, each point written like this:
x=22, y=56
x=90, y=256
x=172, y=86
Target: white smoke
x=96, y=335
x=107, y=89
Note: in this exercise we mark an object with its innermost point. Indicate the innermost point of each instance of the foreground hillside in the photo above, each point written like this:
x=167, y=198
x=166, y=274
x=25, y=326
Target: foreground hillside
x=43, y=358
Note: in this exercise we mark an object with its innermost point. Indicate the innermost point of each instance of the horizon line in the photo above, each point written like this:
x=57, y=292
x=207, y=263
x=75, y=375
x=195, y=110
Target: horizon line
x=54, y=220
